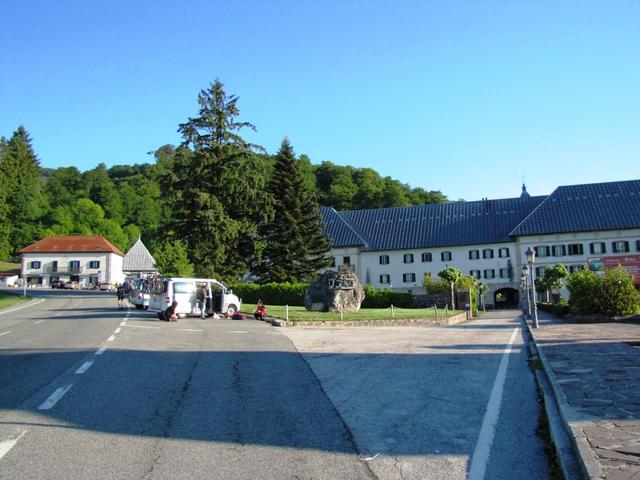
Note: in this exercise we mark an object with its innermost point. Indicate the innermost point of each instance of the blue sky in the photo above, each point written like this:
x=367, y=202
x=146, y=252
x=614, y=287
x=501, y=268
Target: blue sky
x=462, y=97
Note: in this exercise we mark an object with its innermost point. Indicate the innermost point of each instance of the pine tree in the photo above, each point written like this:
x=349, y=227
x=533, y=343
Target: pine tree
x=214, y=190
x=295, y=246
x=5, y=225
x=21, y=174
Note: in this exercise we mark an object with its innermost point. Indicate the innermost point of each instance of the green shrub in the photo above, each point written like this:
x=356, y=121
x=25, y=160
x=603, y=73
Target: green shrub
x=271, y=293
x=434, y=287
x=559, y=309
x=384, y=298
x=618, y=295
x=610, y=294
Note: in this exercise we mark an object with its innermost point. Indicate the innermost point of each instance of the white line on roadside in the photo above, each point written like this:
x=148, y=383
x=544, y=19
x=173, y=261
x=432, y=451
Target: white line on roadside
x=4, y=333
x=111, y=338
x=190, y=330
x=85, y=366
x=100, y=351
x=7, y=445
x=58, y=314
x=235, y=331
x=39, y=321
x=118, y=330
x=55, y=397
x=480, y=457
x=28, y=304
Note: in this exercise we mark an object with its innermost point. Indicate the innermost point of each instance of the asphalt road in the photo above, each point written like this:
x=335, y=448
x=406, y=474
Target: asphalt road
x=87, y=391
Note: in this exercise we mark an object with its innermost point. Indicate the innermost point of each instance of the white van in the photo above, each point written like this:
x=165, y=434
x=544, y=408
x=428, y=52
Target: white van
x=183, y=291
x=138, y=295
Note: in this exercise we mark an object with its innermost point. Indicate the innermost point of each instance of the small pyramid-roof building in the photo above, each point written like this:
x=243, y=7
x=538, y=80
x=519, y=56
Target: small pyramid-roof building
x=138, y=260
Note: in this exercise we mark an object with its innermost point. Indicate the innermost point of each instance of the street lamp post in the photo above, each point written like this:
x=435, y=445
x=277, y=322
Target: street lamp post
x=531, y=258
x=524, y=281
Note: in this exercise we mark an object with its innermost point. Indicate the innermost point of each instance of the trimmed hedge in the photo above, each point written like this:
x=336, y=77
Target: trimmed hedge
x=559, y=309
x=271, y=293
x=384, y=298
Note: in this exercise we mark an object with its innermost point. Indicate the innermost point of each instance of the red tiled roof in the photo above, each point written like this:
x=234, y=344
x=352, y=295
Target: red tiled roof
x=72, y=244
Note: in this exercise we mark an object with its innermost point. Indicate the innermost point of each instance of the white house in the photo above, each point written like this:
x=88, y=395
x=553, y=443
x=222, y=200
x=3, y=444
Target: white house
x=87, y=260
x=595, y=225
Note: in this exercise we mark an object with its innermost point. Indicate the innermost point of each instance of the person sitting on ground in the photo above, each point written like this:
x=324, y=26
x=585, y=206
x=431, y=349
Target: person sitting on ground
x=261, y=311
x=170, y=313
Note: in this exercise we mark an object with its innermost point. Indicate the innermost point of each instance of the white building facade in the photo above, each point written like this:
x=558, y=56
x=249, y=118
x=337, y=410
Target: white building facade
x=593, y=226
x=88, y=260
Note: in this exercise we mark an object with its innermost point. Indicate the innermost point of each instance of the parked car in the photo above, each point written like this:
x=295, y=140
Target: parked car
x=57, y=284
x=105, y=287
x=70, y=285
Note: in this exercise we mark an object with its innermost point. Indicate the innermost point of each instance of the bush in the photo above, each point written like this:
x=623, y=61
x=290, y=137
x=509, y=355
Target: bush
x=384, y=298
x=271, y=293
x=559, y=309
x=435, y=287
x=610, y=294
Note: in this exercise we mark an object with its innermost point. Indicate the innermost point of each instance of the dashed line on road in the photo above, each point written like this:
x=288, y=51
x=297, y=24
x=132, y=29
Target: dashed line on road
x=480, y=457
x=85, y=366
x=236, y=331
x=7, y=445
x=100, y=351
x=118, y=330
x=4, y=333
x=111, y=338
x=190, y=330
x=50, y=402
x=122, y=324
x=39, y=321
x=58, y=314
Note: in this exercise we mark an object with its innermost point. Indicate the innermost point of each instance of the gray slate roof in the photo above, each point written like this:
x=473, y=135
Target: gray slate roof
x=138, y=259
x=581, y=208
x=425, y=226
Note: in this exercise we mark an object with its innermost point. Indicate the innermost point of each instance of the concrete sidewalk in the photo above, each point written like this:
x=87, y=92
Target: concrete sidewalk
x=594, y=370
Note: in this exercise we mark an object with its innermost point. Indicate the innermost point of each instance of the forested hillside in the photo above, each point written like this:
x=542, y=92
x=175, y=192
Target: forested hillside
x=204, y=203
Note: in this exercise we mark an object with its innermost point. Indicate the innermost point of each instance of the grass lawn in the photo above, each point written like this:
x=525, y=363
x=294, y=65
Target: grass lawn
x=300, y=314
x=7, y=299
x=6, y=266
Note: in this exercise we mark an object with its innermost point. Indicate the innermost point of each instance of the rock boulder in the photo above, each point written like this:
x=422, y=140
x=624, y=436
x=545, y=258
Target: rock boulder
x=335, y=292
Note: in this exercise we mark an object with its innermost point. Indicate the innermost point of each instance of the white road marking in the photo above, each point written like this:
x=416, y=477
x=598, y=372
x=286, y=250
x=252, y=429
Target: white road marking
x=118, y=330
x=7, y=445
x=55, y=397
x=481, y=453
x=4, y=333
x=85, y=366
x=111, y=338
x=39, y=321
x=58, y=314
x=100, y=351
x=190, y=330
x=28, y=304
x=235, y=331
x=123, y=323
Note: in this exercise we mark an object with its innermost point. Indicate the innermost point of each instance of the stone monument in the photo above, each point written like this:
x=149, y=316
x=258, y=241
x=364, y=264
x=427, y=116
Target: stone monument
x=335, y=292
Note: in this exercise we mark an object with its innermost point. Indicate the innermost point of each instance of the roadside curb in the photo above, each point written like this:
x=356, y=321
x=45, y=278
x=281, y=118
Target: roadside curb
x=587, y=462
x=452, y=320
x=30, y=303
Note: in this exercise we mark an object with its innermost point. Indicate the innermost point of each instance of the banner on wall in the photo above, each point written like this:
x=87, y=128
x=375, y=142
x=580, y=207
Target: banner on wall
x=631, y=263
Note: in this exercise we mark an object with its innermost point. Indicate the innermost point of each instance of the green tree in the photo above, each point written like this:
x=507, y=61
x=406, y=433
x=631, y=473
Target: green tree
x=295, y=246
x=214, y=191
x=101, y=190
x=64, y=186
x=172, y=259
x=451, y=275
x=25, y=202
x=5, y=225
x=552, y=278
